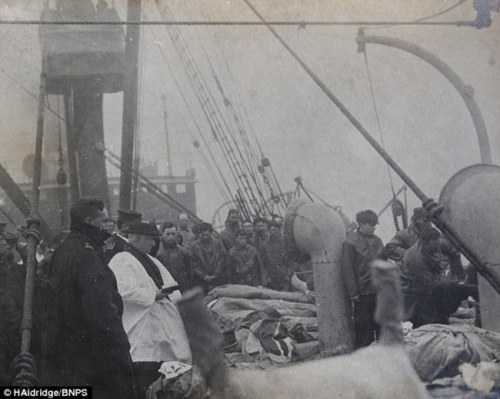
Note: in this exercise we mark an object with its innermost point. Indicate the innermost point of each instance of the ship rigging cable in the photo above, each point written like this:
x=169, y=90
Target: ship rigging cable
x=193, y=118
x=224, y=138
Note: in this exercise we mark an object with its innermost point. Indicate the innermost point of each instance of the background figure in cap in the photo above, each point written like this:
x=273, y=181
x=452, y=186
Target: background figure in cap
x=243, y=262
x=405, y=238
x=184, y=231
x=429, y=296
x=277, y=268
x=174, y=257
x=228, y=235
x=119, y=240
x=208, y=259
x=153, y=325
x=359, y=250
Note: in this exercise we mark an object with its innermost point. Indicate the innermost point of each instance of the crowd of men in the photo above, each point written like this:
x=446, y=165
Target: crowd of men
x=109, y=288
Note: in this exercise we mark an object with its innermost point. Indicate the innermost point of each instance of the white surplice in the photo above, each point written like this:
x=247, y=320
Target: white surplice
x=154, y=328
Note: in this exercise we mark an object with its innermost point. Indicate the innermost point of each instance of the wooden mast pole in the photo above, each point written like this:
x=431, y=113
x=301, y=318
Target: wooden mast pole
x=130, y=93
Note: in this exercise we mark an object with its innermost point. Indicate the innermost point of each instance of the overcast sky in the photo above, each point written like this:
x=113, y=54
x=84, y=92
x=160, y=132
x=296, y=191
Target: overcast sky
x=425, y=124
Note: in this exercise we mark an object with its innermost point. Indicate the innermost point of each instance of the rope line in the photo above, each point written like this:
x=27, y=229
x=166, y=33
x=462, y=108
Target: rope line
x=377, y=117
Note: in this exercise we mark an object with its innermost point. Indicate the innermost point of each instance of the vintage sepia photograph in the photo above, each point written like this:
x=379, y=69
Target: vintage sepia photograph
x=249, y=199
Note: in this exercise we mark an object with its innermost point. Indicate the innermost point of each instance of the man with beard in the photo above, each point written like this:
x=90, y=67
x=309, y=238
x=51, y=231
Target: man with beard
x=153, y=324
x=228, y=235
x=429, y=296
x=86, y=343
x=208, y=259
x=243, y=263
x=359, y=250
x=174, y=257
x=277, y=268
x=184, y=232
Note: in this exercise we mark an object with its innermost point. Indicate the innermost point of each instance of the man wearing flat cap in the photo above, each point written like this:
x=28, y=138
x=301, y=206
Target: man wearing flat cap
x=359, y=250
x=153, y=325
x=119, y=240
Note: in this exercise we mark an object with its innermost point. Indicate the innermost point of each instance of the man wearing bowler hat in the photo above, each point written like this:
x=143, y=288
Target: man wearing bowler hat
x=153, y=325
x=119, y=240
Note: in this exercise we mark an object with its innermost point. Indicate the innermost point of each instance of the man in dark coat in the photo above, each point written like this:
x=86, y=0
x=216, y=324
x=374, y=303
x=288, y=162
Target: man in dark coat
x=86, y=344
x=243, y=262
x=359, y=250
x=405, y=238
x=429, y=296
x=117, y=243
x=175, y=257
x=208, y=259
x=228, y=235
x=277, y=268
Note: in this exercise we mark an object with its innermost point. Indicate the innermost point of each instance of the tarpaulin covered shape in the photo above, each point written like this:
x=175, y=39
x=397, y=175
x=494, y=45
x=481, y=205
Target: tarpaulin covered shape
x=437, y=350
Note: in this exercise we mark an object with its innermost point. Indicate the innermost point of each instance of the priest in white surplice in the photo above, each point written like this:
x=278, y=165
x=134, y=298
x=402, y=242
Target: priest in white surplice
x=150, y=318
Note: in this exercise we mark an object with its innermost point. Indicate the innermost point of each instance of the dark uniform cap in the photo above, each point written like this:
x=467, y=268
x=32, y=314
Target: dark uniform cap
x=143, y=228
x=129, y=216
x=204, y=227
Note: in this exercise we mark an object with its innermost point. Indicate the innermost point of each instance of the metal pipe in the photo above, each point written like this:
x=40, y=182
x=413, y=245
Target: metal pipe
x=37, y=168
x=465, y=91
x=23, y=366
x=320, y=233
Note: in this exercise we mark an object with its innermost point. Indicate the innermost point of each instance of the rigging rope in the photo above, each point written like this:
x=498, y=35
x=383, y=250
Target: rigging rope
x=375, y=108
x=193, y=118
x=212, y=112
